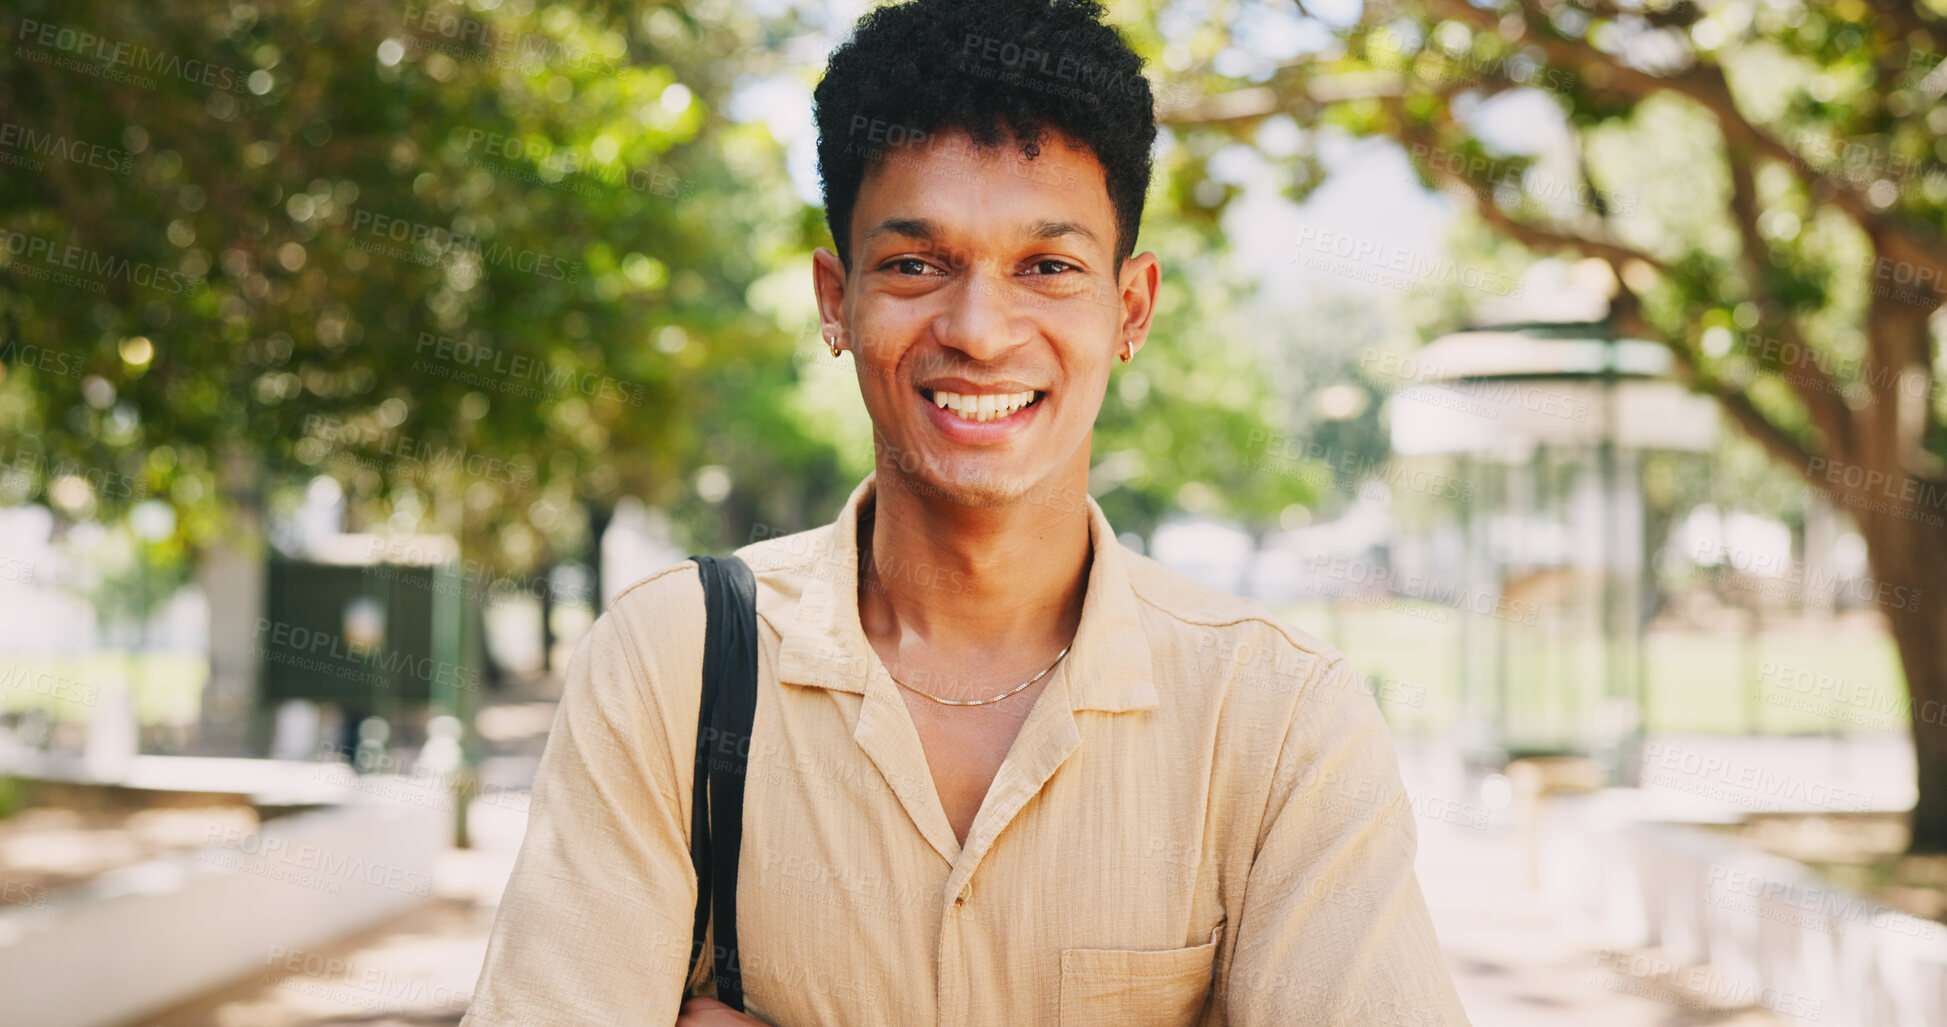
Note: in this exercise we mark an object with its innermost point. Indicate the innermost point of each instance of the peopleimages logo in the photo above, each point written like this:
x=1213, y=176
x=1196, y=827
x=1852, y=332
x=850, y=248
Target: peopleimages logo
x=570, y=168
x=306, y=864
x=57, y=147
x=101, y=52
x=1392, y=265
x=1272, y=451
x=323, y=651
x=512, y=371
x=35, y=251
x=1744, y=784
x=26, y=681
x=34, y=466
x=1778, y=576
x=443, y=244
x=528, y=51
x=1825, y=909
x=53, y=361
x=1010, y=61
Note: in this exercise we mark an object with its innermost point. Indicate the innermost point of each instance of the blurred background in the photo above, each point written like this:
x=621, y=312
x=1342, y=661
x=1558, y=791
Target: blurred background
x=1572, y=365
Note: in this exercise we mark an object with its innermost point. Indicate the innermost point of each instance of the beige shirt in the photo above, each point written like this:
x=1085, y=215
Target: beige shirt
x=1200, y=822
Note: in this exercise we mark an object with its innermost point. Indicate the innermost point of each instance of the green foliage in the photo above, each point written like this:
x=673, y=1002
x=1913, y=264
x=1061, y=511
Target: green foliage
x=1748, y=162
x=481, y=283
x=491, y=266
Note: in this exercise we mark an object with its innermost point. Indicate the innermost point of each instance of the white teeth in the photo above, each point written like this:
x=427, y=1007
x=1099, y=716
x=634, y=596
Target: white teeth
x=986, y=407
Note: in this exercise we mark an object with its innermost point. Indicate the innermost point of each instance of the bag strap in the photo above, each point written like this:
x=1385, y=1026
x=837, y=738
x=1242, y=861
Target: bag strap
x=723, y=728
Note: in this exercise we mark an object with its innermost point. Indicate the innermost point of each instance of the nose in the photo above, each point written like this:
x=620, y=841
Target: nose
x=979, y=319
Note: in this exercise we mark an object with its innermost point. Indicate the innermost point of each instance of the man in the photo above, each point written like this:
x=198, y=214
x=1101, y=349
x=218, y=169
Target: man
x=1003, y=770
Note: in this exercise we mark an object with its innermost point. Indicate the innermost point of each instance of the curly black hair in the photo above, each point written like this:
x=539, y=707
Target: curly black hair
x=993, y=69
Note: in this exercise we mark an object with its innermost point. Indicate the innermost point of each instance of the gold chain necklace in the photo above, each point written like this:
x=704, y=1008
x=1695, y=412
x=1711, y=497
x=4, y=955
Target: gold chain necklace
x=982, y=702
x=870, y=570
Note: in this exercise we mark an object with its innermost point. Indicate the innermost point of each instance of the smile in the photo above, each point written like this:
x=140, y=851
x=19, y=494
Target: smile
x=987, y=407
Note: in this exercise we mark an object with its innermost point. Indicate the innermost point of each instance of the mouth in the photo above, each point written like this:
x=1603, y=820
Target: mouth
x=979, y=407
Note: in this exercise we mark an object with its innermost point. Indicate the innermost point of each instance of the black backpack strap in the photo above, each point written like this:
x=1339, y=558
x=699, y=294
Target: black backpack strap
x=723, y=727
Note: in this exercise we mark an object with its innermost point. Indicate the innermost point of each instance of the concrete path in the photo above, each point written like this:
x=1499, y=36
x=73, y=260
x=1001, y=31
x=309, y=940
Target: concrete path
x=1515, y=961
x=417, y=970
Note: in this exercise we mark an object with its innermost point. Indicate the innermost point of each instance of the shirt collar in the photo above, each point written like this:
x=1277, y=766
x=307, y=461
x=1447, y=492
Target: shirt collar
x=823, y=645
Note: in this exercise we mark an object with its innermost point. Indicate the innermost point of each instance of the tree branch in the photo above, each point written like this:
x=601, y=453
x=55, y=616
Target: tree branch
x=1679, y=15
x=1627, y=306
x=1813, y=386
x=1908, y=17
x=1531, y=234
x=1705, y=85
x=1898, y=343
x=1297, y=90
x=1781, y=444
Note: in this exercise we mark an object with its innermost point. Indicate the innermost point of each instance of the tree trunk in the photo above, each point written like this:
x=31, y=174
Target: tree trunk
x=544, y=590
x=1909, y=560
x=600, y=516
x=231, y=573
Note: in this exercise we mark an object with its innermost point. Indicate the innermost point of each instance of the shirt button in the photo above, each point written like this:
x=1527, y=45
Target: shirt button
x=965, y=894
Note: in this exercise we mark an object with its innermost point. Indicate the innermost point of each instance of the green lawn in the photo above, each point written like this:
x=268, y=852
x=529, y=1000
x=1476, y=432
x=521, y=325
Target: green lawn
x=167, y=686
x=1697, y=681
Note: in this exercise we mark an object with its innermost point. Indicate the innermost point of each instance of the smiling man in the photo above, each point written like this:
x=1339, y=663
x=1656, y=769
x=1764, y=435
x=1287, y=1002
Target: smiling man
x=1003, y=770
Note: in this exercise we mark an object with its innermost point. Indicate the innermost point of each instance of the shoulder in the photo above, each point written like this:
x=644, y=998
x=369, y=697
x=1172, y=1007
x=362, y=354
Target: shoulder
x=784, y=554
x=667, y=605
x=771, y=560
x=651, y=598
x=785, y=565
x=653, y=627
x=1240, y=633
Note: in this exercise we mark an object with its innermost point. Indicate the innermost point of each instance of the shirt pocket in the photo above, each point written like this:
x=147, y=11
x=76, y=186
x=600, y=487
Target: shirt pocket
x=1137, y=988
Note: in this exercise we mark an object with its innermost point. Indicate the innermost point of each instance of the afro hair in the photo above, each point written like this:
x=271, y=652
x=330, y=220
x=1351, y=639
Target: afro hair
x=995, y=69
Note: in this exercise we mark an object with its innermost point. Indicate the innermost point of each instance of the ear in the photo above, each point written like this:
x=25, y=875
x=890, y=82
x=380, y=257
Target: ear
x=1141, y=277
x=828, y=281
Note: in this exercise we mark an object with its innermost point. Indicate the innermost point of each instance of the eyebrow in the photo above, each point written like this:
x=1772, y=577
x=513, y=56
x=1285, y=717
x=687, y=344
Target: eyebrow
x=922, y=229
x=1056, y=229
x=911, y=228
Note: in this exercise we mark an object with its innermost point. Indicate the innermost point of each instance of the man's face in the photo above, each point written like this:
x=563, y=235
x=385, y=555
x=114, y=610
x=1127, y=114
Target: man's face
x=986, y=282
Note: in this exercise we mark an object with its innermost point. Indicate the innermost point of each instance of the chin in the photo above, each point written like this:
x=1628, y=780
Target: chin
x=972, y=486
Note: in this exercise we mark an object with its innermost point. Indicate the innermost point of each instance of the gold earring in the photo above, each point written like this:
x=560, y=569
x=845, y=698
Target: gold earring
x=1131, y=355
x=832, y=341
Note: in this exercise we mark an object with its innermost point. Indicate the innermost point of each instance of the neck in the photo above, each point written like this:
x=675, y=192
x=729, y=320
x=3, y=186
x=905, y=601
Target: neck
x=957, y=579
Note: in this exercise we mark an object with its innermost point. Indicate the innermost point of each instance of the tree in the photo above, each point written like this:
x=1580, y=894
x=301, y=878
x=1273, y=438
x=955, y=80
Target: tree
x=470, y=263
x=387, y=242
x=1764, y=182
x=493, y=267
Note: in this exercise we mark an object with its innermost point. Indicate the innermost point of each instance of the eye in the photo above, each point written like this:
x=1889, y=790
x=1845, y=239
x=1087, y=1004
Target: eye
x=905, y=266
x=1051, y=266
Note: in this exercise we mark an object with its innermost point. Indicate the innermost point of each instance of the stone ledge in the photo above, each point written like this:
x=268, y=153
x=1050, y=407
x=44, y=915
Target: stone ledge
x=143, y=938
x=1765, y=922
